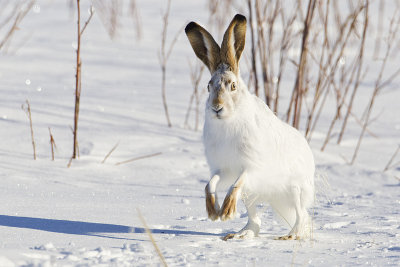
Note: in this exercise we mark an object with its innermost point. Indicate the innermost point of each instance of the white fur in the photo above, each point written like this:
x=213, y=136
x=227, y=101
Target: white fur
x=276, y=157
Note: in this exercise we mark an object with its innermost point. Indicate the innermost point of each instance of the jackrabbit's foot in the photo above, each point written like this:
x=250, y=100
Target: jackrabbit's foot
x=288, y=237
x=244, y=234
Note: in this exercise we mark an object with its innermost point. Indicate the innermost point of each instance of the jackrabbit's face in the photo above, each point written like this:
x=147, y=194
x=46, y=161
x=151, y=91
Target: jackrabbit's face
x=223, y=93
x=223, y=64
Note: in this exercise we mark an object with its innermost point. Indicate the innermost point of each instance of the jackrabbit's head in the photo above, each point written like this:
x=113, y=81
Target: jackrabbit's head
x=225, y=85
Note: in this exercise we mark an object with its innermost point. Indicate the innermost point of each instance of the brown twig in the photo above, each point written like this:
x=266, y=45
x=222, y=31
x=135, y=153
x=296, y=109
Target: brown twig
x=52, y=144
x=195, y=77
x=389, y=164
x=109, y=13
x=253, y=49
x=88, y=20
x=359, y=66
x=285, y=45
x=109, y=153
x=393, y=29
x=20, y=14
x=29, y=115
x=163, y=57
x=379, y=30
x=78, y=76
x=268, y=16
x=77, y=80
x=328, y=68
x=219, y=12
x=138, y=158
x=299, y=88
x=134, y=10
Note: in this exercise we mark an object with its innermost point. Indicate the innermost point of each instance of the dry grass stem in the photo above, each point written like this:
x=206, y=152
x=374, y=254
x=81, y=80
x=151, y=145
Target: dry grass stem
x=253, y=49
x=134, y=11
x=52, y=144
x=109, y=13
x=138, y=158
x=299, y=88
x=80, y=31
x=29, y=115
x=389, y=164
x=109, y=153
x=379, y=31
x=88, y=20
x=356, y=70
x=195, y=76
x=17, y=14
x=359, y=70
x=329, y=66
x=220, y=12
x=163, y=58
x=379, y=84
x=153, y=241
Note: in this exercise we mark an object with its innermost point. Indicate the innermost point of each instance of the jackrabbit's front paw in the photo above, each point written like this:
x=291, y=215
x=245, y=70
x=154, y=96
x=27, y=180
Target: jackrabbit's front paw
x=228, y=209
x=212, y=205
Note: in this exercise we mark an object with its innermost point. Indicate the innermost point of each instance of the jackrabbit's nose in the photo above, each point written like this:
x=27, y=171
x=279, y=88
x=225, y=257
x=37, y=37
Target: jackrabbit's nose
x=217, y=109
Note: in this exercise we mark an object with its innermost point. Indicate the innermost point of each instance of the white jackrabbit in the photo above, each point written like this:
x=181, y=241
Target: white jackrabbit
x=261, y=158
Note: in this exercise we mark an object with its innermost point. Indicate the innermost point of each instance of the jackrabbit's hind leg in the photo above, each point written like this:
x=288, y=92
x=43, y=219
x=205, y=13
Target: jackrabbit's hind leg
x=300, y=224
x=252, y=227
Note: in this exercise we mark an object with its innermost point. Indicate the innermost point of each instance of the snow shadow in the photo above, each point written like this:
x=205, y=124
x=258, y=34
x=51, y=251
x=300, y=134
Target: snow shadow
x=83, y=228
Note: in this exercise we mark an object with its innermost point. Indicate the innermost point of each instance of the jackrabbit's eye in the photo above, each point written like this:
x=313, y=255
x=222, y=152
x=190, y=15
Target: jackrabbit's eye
x=233, y=86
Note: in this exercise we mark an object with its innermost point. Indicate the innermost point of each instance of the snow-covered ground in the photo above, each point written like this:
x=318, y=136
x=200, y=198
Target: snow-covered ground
x=86, y=215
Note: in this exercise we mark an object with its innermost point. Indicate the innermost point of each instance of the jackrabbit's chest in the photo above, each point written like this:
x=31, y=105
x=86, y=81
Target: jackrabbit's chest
x=231, y=151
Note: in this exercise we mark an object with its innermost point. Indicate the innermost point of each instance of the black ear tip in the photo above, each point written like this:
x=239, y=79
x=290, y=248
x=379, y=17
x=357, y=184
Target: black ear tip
x=240, y=18
x=190, y=26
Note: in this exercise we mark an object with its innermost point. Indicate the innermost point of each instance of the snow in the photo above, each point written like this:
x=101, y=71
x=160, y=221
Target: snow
x=86, y=215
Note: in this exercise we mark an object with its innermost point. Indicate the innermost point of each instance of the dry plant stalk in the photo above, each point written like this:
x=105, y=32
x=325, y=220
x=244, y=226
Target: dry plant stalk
x=266, y=16
x=300, y=84
x=253, y=48
x=80, y=32
x=52, y=144
x=163, y=59
x=29, y=115
x=379, y=31
x=379, y=84
x=355, y=70
x=356, y=84
x=389, y=164
x=195, y=76
x=138, y=158
x=109, y=13
x=134, y=11
x=153, y=241
x=327, y=66
x=17, y=14
x=331, y=60
x=269, y=45
x=219, y=14
x=109, y=153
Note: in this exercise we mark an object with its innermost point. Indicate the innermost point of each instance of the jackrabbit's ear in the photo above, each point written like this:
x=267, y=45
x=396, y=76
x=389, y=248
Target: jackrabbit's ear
x=233, y=42
x=203, y=45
